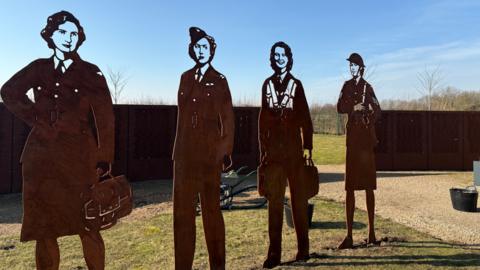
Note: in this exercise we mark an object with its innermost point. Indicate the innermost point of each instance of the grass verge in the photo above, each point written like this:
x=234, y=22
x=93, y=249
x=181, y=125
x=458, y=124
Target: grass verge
x=148, y=244
x=328, y=149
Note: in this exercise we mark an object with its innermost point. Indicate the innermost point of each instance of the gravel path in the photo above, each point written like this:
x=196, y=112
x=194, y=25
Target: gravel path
x=420, y=200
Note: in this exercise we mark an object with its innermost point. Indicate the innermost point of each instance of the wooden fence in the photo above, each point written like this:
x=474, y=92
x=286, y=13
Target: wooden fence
x=434, y=140
x=144, y=137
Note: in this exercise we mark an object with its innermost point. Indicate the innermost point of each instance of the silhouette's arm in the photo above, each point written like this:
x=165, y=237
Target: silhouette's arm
x=102, y=110
x=14, y=93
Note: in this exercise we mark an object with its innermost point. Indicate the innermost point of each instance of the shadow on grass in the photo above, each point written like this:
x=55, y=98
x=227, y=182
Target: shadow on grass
x=439, y=244
x=338, y=177
x=336, y=225
x=469, y=256
x=460, y=259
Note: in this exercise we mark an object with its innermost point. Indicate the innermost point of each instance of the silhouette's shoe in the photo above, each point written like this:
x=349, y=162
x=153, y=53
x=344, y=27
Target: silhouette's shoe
x=302, y=256
x=372, y=240
x=346, y=243
x=271, y=262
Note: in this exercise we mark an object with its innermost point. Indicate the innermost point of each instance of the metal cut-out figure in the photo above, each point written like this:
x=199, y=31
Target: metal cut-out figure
x=285, y=133
x=70, y=144
x=357, y=99
x=204, y=139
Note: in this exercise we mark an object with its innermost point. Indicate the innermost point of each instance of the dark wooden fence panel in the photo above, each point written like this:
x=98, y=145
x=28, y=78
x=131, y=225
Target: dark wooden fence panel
x=384, y=148
x=150, y=142
x=471, y=146
x=20, y=134
x=410, y=141
x=145, y=134
x=121, y=140
x=245, y=148
x=6, y=120
x=445, y=137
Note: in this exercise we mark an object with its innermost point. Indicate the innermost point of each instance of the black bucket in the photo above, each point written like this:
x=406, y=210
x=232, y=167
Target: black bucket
x=464, y=199
x=289, y=218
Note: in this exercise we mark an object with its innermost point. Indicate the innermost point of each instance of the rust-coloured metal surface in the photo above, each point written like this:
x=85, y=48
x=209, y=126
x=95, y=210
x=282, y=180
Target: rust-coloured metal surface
x=6, y=121
x=66, y=102
x=20, y=134
x=357, y=100
x=285, y=133
x=203, y=144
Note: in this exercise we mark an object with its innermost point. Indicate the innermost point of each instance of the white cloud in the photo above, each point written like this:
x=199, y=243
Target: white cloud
x=395, y=74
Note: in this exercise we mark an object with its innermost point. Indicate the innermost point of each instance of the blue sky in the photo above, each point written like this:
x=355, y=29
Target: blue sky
x=149, y=41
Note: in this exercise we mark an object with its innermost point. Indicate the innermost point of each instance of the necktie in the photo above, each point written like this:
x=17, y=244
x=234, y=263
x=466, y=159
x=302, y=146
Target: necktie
x=199, y=75
x=59, y=67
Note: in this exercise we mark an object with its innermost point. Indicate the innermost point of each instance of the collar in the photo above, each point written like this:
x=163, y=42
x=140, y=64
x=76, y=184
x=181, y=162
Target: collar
x=282, y=76
x=66, y=63
x=203, y=69
x=357, y=80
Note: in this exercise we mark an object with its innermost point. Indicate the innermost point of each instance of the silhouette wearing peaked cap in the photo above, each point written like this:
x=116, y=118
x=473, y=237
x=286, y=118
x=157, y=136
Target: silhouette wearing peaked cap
x=358, y=101
x=205, y=129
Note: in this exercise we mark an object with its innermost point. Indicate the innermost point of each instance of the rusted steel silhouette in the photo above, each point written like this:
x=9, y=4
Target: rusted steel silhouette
x=204, y=140
x=70, y=144
x=357, y=99
x=283, y=121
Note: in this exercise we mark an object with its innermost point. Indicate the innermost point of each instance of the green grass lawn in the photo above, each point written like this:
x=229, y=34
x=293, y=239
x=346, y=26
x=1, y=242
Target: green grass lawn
x=328, y=149
x=148, y=244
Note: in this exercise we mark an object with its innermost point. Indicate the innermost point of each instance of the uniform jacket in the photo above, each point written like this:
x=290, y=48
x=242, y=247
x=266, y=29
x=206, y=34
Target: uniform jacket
x=284, y=133
x=361, y=139
x=76, y=102
x=205, y=120
x=72, y=130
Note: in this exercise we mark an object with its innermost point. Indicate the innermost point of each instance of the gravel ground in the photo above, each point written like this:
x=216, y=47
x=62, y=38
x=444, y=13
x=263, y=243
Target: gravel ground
x=420, y=200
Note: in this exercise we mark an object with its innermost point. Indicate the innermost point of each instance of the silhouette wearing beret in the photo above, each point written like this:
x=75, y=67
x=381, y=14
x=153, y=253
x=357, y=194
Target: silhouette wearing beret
x=205, y=130
x=358, y=101
x=71, y=141
x=285, y=132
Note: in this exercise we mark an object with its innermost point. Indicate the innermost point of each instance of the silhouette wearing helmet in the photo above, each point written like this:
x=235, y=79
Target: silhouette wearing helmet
x=358, y=101
x=285, y=133
x=205, y=130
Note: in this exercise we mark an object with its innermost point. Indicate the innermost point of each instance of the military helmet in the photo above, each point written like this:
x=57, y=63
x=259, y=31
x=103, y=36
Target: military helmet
x=357, y=59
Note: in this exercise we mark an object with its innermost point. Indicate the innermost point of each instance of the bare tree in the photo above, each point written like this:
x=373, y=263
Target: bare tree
x=429, y=81
x=118, y=80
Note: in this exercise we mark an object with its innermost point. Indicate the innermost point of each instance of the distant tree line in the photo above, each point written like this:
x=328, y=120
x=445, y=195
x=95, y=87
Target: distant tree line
x=448, y=99
x=326, y=120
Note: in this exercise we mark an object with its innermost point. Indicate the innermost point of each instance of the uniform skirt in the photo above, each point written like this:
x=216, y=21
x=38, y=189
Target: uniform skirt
x=55, y=174
x=360, y=171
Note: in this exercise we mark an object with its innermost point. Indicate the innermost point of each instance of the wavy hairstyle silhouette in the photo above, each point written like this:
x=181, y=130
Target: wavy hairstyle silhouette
x=56, y=20
x=288, y=52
